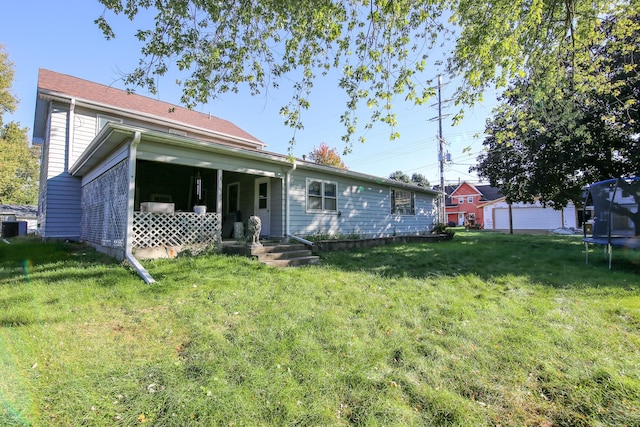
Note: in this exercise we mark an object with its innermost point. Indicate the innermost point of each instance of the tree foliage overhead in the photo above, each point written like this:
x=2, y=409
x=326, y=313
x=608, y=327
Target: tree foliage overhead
x=18, y=161
x=379, y=48
x=323, y=155
x=561, y=129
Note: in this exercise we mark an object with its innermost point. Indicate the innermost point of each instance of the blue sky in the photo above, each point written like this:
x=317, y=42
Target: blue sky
x=44, y=34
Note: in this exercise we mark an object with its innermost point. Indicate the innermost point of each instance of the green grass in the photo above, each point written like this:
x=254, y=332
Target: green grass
x=487, y=329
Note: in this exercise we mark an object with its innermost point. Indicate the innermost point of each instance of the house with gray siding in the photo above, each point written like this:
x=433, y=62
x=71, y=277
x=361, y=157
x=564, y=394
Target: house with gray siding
x=126, y=173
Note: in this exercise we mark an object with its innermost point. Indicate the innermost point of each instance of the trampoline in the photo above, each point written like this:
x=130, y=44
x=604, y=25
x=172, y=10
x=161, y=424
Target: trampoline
x=616, y=217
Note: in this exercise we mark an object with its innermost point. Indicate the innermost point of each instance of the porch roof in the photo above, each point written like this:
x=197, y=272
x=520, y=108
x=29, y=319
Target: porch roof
x=114, y=135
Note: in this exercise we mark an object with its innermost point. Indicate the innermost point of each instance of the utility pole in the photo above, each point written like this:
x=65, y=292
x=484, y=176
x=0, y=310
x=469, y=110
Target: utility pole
x=442, y=210
x=442, y=156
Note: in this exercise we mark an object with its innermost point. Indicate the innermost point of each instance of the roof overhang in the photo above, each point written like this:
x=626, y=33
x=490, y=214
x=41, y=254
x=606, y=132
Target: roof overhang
x=114, y=135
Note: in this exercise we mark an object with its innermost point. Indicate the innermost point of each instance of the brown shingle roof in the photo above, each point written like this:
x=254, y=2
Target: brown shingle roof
x=53, y=82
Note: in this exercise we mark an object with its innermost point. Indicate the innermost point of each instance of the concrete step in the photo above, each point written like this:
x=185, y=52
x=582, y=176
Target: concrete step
x=279, y=248
x=276, y=255
x=294, y=262
x=269, y=256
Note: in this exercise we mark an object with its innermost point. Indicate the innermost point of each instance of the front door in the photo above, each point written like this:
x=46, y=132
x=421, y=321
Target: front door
x=263, y=204
x=460, y=218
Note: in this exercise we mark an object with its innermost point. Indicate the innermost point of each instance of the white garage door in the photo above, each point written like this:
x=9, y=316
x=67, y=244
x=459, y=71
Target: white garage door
x=528, y=218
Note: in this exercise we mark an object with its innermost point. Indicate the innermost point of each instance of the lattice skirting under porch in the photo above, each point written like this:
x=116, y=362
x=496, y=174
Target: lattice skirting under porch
x=152, y=230
x=104, y=208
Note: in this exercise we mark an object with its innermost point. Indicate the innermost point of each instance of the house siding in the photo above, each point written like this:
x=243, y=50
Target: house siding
x=277, y=208
x=363, y=208
x=84, y=130
x=60, y=201
x=42, y=195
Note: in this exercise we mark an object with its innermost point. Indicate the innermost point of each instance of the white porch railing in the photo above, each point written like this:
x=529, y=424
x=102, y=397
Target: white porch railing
x=152, y=230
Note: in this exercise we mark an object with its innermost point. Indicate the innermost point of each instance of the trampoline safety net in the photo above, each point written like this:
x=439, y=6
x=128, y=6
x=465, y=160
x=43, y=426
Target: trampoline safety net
x=616, y=217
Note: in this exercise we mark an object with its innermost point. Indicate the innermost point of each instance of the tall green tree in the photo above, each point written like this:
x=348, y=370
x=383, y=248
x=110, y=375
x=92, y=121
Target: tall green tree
x=18, y=166
x=380, y=49
x=400, y=177
x=18, y=161
x=416, y=178
x=420, y=180
x=8, y=101
x=549, y=141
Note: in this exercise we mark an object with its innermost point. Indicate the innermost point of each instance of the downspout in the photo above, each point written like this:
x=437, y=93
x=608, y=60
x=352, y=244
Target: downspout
x=142, y=272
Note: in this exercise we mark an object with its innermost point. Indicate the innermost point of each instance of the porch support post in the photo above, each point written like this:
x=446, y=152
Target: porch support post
x=219, y=203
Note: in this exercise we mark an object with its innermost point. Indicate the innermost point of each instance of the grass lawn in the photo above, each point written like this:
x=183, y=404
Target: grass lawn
x=485, y=330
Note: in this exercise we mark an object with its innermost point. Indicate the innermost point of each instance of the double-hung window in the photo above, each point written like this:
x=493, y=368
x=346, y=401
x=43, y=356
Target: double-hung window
x=402, y=202
x=322, y=195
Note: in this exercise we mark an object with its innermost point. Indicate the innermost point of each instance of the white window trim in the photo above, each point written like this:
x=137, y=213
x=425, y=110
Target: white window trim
x=392, y=202
x=470, y=199
x=460, y=200
x=108, y=119
x=322, y=195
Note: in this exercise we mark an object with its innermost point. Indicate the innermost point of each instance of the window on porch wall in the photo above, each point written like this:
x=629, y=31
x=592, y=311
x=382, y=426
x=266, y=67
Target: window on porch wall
x=402, y=202
x=322, y=195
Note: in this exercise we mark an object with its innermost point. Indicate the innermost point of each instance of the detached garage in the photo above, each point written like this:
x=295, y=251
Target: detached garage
x=528, y=217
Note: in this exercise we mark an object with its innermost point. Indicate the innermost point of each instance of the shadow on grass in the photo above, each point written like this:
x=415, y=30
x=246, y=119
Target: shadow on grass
x=552, y=260
x=26, y=260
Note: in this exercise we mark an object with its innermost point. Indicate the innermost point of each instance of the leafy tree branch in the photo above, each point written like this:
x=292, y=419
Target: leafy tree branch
x=381, y=49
